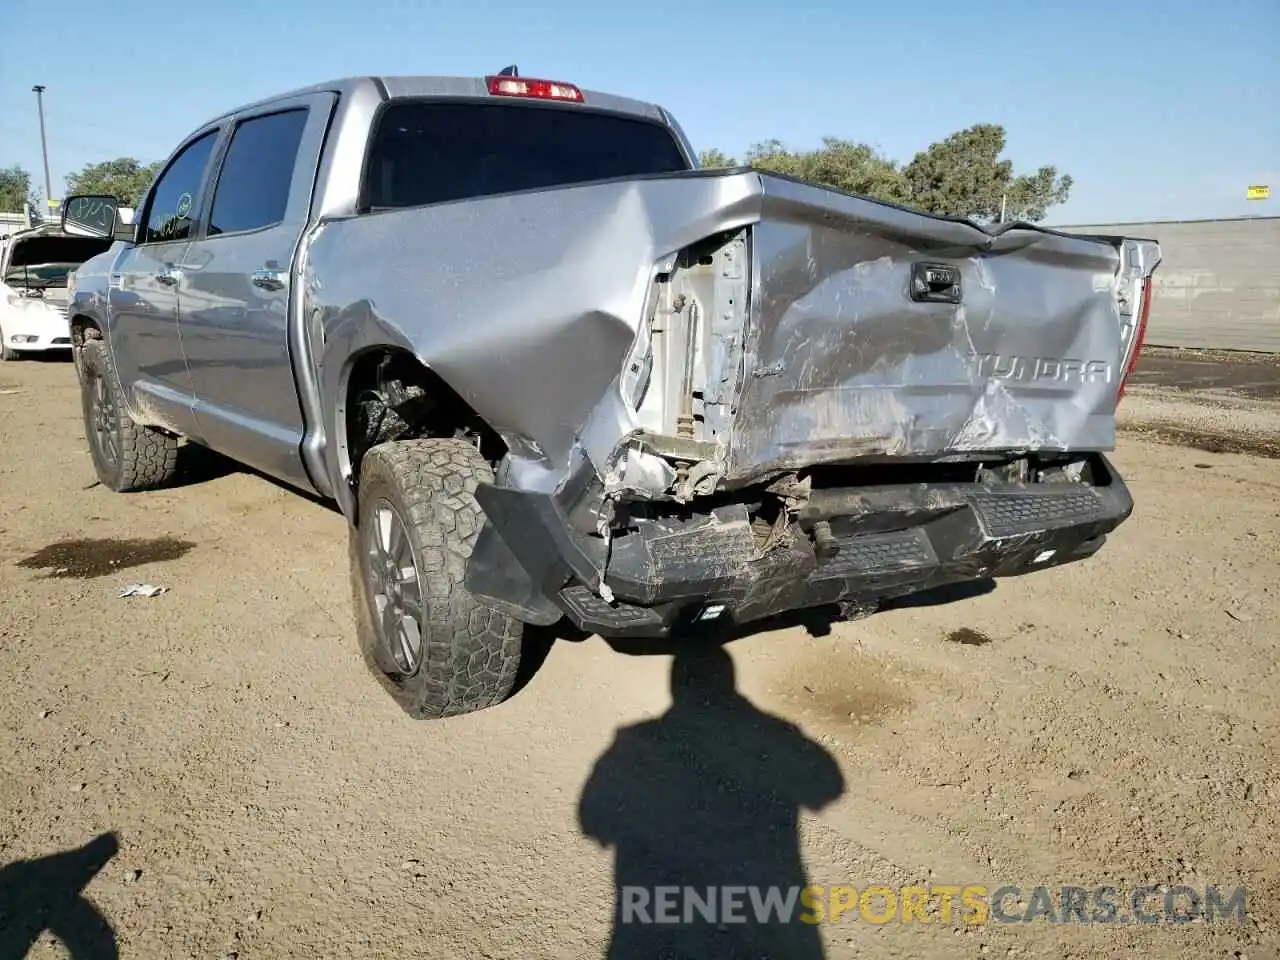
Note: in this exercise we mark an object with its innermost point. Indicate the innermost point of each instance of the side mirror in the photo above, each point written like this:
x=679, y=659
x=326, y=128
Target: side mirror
x=88, y=215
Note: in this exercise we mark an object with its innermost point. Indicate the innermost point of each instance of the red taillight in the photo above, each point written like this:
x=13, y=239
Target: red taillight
x=534, y=89
x=1139, y=335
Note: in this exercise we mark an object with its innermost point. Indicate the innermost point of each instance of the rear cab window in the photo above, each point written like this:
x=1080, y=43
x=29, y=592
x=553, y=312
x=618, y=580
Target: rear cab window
x=253, y=187
x=426, y=152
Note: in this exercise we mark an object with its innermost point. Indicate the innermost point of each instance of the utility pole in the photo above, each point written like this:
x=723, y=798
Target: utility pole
x=38, y=90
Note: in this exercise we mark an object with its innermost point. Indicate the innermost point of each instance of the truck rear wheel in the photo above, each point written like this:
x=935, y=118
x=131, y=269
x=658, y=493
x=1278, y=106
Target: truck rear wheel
x=438, y=650
x=126, y=455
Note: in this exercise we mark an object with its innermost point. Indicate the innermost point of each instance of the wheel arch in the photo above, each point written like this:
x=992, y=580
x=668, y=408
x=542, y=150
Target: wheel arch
x=420, y=402
x=84, y=327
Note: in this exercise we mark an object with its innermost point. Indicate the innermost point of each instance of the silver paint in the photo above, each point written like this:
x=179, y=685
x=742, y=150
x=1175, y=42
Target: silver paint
x=235, y=332
x=796, y=345
x=810, y=353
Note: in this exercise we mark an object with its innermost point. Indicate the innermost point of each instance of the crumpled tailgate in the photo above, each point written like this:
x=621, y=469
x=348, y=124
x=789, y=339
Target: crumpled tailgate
x=1024, y=352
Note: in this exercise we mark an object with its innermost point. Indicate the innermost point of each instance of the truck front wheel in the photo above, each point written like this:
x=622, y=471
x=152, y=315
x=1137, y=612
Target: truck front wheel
x=127, y=456
x=437, y=650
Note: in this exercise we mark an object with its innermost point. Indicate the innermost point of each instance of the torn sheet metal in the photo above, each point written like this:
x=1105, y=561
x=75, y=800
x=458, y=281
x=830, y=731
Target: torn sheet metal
x=791, y=325
x=1024, y=354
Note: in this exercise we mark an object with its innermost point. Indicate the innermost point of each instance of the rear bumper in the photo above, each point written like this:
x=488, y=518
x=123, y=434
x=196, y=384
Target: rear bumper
x=879, y=543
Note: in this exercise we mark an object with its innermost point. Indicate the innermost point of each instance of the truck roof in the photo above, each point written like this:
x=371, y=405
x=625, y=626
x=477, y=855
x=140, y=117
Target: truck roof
x=439, y=86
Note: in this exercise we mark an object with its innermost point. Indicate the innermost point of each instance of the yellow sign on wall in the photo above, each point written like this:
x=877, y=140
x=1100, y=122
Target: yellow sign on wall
x=1258, y=192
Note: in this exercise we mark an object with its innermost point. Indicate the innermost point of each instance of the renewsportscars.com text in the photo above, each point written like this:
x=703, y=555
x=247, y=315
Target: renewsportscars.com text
x=971, y=903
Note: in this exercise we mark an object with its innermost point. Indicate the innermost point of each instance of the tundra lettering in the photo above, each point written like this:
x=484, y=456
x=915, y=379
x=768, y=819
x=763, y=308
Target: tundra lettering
x=1064, y=369
x=549, y=370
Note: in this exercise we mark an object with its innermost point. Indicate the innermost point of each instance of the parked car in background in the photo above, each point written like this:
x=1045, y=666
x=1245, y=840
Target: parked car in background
x=35, y=271
x=548, y=369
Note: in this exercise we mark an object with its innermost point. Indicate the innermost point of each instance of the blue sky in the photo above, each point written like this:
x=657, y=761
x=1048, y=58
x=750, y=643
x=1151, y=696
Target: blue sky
x=1164, y=110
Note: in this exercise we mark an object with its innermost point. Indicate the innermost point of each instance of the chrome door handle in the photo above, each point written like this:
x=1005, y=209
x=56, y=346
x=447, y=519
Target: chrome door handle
x=268, y=279
x=169, y=275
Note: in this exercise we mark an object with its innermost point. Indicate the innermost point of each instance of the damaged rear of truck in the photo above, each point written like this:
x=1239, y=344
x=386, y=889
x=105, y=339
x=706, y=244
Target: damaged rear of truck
x=550, y=369
x=725, y=395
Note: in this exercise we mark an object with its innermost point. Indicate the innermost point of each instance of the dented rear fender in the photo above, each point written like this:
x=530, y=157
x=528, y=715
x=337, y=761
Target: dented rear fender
x=524, y=304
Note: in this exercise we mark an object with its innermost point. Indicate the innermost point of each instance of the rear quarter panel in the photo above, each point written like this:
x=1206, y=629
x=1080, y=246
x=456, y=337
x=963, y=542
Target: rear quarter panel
x=524, y=304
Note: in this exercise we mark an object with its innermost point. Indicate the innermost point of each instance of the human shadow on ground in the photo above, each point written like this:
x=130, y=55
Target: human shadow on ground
x=708, y=797
x=47, y=893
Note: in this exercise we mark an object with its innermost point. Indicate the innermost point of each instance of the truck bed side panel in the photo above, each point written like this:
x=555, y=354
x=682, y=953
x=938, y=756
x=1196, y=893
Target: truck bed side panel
x=525, y=304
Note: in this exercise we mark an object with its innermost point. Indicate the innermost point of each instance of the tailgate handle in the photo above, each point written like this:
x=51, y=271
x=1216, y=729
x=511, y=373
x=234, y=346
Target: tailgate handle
x=935, y=283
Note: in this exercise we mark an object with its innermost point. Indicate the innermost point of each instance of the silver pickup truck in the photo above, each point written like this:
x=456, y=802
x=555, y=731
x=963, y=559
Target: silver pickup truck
x=549, y=369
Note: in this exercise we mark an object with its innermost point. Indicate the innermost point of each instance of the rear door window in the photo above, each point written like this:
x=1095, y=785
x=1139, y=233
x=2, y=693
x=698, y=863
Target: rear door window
x=253, y=187
x=434, y=152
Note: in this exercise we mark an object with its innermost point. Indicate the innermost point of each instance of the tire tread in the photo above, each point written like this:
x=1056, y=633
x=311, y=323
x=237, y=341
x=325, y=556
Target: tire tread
x=471, y=652
x=148, y=457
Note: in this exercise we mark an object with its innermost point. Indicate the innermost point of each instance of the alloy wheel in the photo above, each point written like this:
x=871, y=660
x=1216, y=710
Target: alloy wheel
x=391, y=577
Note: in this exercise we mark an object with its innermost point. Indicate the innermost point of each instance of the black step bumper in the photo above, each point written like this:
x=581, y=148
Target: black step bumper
x=882, y=543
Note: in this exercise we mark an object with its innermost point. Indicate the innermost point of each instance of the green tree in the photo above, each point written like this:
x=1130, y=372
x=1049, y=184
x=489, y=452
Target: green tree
x=709, y=159
x=843, y=164
x=15, y=189
x=1030, y=197
x=124, y=178
x=774, y=157
x=962, y=175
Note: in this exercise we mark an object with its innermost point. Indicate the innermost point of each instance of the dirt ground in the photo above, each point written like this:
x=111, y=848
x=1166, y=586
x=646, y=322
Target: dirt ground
x=218, y=775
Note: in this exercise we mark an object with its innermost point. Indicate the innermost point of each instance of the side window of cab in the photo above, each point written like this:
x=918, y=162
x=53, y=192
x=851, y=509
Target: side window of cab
x=253, y=188
x=174, y=203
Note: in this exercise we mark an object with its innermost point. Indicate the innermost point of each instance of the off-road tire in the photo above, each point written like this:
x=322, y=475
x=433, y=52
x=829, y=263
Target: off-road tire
x=77, y=361
x=147, y=458
x=470, y=653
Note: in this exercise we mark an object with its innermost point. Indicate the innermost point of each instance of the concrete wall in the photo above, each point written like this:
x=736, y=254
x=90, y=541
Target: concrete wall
x=1218, y=285
x=12, y=223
